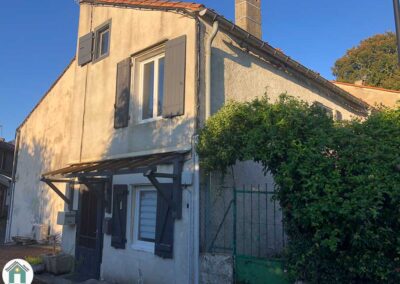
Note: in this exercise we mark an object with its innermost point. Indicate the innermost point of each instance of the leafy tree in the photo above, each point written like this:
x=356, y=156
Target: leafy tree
x=374, y=60
x=338, y=183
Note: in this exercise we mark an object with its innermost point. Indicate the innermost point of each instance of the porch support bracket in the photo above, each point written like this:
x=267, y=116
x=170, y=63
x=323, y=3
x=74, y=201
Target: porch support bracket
x=176, y=176
x=56, y=190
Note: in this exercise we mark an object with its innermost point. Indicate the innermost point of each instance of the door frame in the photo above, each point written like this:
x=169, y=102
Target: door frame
x=99, y=216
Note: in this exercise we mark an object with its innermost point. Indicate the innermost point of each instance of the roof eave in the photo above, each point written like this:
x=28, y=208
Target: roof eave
x=281, y=59
x=152, y=5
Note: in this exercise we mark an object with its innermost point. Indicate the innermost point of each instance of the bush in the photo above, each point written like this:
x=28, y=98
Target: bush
x=34, y=260
x=338, y=183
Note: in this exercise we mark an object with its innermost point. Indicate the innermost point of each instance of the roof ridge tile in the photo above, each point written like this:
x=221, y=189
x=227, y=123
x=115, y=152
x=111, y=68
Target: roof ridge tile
x=192, y=6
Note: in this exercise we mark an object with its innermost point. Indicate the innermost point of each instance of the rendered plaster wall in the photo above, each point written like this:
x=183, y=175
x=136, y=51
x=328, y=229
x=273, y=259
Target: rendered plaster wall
x=241, y=76
x=43, y=147
x=132, y=31
x=152, y=268
x=373, y=96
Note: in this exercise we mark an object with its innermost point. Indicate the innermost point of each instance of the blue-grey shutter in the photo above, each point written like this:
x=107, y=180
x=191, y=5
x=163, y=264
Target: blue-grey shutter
x=123, y=93
x=85, y=51
x=164, y=245
x=174, y=78
x=119, y=216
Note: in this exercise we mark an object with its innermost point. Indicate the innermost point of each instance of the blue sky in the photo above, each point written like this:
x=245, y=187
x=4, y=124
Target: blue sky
x=39, y=40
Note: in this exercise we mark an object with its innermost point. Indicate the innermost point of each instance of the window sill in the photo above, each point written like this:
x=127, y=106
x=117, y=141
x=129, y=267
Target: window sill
x=143, y=246
x=143, y=121
x=100, y=58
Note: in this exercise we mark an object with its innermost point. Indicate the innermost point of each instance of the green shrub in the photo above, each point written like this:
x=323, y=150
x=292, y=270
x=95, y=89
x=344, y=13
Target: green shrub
x=34, y=260
x=338, y=183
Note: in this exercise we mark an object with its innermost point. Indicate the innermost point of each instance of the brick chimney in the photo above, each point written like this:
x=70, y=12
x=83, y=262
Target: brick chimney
x=248, y=16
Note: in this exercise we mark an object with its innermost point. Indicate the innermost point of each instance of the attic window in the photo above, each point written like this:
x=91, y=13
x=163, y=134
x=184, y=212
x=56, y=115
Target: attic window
x=102, y=41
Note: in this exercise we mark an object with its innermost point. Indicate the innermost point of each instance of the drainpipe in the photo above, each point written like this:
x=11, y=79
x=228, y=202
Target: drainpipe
x=196, y=180
x=208, y=64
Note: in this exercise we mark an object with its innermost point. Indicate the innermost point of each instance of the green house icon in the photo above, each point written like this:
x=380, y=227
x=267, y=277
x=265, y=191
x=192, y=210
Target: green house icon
x=17, y=273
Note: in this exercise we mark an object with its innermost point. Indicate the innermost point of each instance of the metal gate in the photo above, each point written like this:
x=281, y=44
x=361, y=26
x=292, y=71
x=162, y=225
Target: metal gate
x=247, y=223
x=258, y=236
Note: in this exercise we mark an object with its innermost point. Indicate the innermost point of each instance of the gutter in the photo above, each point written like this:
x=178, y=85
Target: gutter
x=280, y=60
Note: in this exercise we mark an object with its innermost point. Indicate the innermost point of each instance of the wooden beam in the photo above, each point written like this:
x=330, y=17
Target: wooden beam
x=56, y=190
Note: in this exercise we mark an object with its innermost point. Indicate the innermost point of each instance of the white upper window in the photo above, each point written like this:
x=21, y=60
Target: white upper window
x=144, y=221
x=152, y=87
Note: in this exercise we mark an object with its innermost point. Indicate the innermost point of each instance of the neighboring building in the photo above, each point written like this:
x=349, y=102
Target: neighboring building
x=372, y=95
x=109, y=150
x=6, y=165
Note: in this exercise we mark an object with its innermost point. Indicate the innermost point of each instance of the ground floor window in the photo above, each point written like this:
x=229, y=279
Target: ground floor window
x=144, y=217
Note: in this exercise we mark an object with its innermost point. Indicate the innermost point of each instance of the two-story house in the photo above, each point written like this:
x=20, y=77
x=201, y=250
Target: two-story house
x=108, y=158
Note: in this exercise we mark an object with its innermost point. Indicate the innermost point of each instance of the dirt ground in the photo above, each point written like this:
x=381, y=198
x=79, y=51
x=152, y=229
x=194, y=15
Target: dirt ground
x=9, y=252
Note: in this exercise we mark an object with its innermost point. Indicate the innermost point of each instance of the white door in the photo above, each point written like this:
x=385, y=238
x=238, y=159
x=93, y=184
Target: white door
x=17, y=278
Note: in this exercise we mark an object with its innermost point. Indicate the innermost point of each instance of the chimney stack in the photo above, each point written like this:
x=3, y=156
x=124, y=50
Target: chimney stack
x=248, y=16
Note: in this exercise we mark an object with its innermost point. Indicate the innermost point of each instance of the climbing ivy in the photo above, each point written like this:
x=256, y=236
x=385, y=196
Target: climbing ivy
x=338, y=183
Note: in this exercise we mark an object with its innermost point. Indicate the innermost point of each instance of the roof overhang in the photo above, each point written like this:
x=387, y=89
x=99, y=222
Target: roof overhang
x=107, y=168
x=149, y=4
x=102, y=171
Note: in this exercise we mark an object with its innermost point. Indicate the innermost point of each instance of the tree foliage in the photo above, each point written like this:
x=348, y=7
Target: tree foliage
x=374, y=59
x=338, y=183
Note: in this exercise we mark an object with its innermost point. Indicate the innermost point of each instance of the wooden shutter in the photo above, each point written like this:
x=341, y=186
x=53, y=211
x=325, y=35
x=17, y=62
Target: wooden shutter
x=119, y=216
x=174, y=78
x=121, y=115
x=164, y=244
x=85, y=49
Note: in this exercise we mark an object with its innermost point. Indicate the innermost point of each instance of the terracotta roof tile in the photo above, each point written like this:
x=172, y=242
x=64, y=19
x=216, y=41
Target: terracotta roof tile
x=366, y=87
x=151, y=4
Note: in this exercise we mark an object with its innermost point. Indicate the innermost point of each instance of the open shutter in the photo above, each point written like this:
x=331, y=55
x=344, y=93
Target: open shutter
x=121, y=116
x=119, y=216
x=174, y=78
x=164, y=244
x=85, y=49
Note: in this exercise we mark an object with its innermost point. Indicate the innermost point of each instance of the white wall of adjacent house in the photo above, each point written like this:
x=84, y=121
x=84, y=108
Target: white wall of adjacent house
x=43, y=146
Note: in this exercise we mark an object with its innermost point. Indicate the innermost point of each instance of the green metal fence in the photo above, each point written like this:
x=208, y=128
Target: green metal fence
x=247, y=222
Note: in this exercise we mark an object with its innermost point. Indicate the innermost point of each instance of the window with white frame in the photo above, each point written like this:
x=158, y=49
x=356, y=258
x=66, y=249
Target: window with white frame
x=145, y=211
x=102, y=41
x=152, y=87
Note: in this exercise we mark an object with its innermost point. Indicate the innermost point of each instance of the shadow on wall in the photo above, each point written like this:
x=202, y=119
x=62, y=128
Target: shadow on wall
x=157, y=135
x=226, y=69
x=34, y=202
